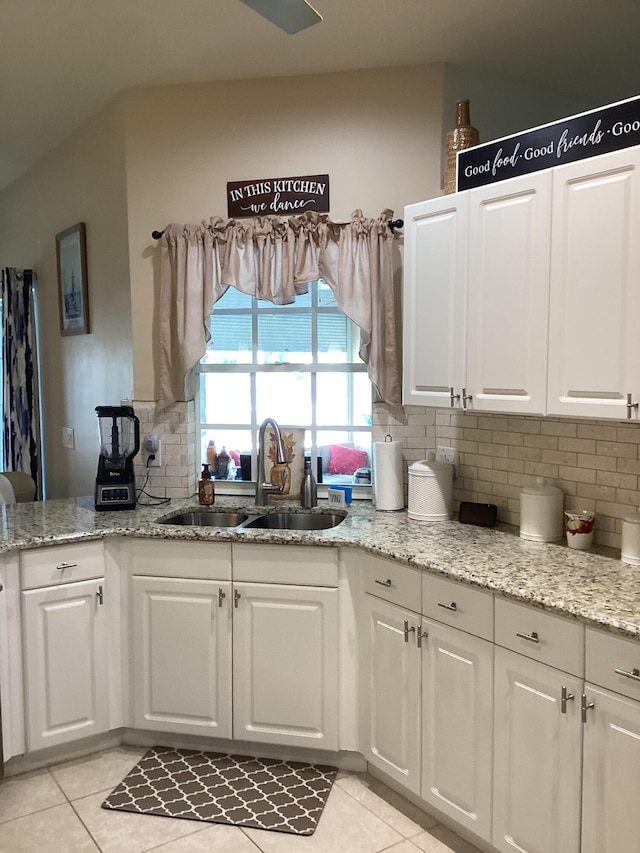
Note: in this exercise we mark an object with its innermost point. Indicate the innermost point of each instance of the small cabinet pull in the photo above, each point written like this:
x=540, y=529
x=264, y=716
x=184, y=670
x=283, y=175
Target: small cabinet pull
x=1, y=587
x=453, y=606
x=532, y=637
x=630, y=405
x=419, y=637
x=586, y=706
x=384, y=583
x=466, y=398
x=221, y=596
x=634, y=674
x=407, y=630
x=100, y=595
x=453, y=397
x=236, y=597
x=564, y=698
x=64, y=566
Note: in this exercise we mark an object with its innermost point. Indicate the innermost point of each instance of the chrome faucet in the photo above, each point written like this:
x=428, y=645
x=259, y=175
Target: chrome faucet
x=262, y=486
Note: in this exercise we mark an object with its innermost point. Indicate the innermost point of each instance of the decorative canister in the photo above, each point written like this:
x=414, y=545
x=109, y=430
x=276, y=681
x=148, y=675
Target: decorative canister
x=579, y=528
x=541, y=507
x=631, y=539
x=462, y=136
x=430, y=489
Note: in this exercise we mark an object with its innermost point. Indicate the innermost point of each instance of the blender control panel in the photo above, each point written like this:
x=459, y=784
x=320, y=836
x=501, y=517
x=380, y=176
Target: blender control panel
x=116, y=494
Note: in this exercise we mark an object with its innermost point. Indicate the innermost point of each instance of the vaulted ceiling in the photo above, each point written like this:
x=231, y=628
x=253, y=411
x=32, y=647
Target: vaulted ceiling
x=62, y=60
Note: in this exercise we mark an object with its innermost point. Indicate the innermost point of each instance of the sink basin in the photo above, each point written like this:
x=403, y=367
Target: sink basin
x=295, y=521
x=205, y=518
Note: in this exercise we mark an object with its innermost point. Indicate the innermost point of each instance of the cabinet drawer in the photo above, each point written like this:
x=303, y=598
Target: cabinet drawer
x=164, y=558
x=287, y=564
x=393, y=582
x=613, y=662
x=542, y=636
x=458, y=605
x=62, y=564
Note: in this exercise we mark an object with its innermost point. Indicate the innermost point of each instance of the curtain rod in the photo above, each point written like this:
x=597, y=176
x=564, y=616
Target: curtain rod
x=392, y=223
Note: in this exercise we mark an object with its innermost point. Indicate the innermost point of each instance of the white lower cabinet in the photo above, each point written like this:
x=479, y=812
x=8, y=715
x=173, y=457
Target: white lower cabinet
x=65, y=644
x=182, y=655
x=285, y=674
x=391, y=684
x=537, y=763
x=457, y=725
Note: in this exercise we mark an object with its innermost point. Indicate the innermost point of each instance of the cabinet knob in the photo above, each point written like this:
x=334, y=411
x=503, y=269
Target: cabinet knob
x=453, y=397
x=586, y=706
x=466, y=398
x=1, y=587
x=532, y=637
x=420, y=636
x=564, y=698
x=236, y=598
x=407, y=630
x=64, y=566
x=630, y=405
x=386, y=583
x=221, y=596
x=100, y=595
x=453, y=606
x=634, y=674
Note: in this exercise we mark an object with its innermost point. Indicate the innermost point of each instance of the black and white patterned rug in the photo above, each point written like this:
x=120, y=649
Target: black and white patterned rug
x=261, y=793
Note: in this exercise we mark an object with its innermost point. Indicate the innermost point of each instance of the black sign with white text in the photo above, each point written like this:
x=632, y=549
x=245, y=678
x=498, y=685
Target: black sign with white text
x=575, y=138
x=278, y=196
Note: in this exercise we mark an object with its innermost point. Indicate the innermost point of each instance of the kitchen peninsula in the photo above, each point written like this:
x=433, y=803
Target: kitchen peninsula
x=461, y=663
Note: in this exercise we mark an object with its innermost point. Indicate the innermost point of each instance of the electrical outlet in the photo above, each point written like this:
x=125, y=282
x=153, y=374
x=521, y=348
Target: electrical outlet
x=68, y=438
x=450, y=455
x=156, y=462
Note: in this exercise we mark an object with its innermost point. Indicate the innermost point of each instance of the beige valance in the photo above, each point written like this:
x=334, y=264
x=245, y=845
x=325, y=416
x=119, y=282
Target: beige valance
x=275, y=258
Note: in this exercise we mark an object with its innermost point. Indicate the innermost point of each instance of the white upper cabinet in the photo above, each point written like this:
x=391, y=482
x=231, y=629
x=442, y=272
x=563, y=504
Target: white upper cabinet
x=508, y=295
x=594, y=345
x=434, y=300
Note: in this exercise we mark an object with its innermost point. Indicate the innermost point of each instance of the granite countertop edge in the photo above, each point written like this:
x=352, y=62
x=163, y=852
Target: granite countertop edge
x=594, y=587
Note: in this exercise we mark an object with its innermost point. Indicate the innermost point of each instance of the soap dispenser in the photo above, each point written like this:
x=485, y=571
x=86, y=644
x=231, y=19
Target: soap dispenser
x=206, y=493
x=308, y=487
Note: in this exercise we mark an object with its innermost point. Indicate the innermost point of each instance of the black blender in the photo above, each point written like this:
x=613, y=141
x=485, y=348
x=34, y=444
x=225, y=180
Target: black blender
x=119, y=443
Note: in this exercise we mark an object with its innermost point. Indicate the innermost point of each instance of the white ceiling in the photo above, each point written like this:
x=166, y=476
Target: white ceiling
x=62, y=60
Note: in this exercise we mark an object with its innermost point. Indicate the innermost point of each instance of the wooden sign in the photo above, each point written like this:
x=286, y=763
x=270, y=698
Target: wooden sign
x=278, y=196
x=575, y=138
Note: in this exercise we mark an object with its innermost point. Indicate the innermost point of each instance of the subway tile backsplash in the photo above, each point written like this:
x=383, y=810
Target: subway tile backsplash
x=595, y=463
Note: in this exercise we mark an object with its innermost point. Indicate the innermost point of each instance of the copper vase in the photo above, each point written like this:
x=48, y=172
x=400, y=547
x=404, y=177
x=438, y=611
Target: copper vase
x=462, y=136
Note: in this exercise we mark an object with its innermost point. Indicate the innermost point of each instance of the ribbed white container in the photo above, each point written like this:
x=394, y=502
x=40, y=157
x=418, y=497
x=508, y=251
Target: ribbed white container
x=631, y=539
x=430, y=490
x=541, y=506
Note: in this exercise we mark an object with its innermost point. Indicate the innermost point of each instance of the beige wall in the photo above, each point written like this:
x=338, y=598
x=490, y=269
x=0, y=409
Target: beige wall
x=83, y=180
x=376, y=133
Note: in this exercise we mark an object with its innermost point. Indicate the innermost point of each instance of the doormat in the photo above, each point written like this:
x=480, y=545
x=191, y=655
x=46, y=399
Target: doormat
x=261, y=793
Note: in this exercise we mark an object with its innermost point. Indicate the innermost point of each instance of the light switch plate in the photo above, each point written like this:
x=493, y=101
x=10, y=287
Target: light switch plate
x=68, y=438
x=450, y=455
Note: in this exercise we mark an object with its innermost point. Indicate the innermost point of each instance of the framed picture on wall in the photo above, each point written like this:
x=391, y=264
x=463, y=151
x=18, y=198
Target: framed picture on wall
x=71, y=256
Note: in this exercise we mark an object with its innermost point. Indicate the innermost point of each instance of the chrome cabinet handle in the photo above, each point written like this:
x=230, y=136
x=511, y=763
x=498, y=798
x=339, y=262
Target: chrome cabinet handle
x=466, y=398
x=1, y=587
x=100, y=595
x=236, y=597
x=419, y=637
x=586, y=706
x=221, y=596
x=63, y=566
x=384, y=583
x=407, y=630
x=453, y=606
x=630, y=405
x=564, y=698
x=634, y=674
x=453, y=397
x=532, y=637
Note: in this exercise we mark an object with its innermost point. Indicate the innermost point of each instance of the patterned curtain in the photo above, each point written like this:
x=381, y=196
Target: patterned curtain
x=21, y=415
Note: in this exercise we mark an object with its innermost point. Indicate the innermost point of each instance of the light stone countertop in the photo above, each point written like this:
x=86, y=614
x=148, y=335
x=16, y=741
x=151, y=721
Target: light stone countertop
x=594, y=587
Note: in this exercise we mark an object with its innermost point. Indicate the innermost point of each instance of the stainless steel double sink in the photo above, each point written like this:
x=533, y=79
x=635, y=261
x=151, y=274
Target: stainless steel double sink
x=281, y=520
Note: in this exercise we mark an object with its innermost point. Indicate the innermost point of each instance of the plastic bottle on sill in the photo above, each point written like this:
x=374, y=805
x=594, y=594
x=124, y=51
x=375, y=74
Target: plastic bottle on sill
x=222, y=464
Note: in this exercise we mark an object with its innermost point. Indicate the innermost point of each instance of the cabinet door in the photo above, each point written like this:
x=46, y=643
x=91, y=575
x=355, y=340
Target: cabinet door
x=610, y=814
x=508, y=295
x=182, y=655
x=594, y=346
x=11, y=673
x=390, y=691
x=65, y=642
x=285, y=665
x=536, y=758
x=434, y=300
x=457, y=725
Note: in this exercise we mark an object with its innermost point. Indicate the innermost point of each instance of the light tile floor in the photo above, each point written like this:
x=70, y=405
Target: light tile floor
x=58, y=809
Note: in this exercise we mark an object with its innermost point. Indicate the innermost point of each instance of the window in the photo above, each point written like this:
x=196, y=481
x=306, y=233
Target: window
x=297, y=364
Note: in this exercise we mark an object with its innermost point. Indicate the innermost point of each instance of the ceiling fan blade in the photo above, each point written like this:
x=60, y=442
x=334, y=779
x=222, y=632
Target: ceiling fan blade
x=290, y=15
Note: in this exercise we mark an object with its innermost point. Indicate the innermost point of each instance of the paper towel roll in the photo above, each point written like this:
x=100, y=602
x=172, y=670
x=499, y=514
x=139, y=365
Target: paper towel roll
x=387, y=475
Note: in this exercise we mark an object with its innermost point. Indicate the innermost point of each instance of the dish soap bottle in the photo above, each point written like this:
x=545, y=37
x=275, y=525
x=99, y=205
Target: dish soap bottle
x=206, y=494
x=308, y=487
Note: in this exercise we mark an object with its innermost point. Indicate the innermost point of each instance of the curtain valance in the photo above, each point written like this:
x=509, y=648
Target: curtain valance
x=275, y=258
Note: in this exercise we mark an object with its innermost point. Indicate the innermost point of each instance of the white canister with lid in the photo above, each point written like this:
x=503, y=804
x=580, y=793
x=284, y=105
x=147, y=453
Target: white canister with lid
x=631, y=539
x=430, y=489
x=541, y=507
